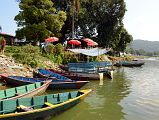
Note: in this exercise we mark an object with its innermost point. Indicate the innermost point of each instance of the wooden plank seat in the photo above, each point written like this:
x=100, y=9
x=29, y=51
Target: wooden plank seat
x=22, y=108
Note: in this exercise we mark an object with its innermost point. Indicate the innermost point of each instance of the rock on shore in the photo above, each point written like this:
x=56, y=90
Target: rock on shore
x=9, y=67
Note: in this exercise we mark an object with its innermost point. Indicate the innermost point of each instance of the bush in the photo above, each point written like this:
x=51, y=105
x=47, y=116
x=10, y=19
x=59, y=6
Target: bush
x=27, y=54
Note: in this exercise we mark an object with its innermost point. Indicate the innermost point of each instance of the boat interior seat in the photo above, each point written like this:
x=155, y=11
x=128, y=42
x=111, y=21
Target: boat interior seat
x=51, y=99
x=10, y=92
x=38, y=84
x=8, y=106
x=21, y=89
x=31, y=87
x=38, y=101
x=2, y=94
x=63, y=96
x=74, y=94
x=25, y=101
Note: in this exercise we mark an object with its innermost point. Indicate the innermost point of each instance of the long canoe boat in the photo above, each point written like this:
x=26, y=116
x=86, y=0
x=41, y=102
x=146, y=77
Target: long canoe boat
x=24, y=91
x=130, y=63
x=40, y=107
x=47, y=73
x=55, y=84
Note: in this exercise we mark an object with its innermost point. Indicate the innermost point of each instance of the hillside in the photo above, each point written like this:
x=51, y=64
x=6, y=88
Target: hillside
x=148, y=46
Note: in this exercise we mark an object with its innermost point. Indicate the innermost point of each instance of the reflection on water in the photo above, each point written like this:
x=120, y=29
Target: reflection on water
x=103, y=102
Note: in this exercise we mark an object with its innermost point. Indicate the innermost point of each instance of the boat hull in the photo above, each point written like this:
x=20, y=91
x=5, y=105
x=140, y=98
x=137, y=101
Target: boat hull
x=70, y=75
x=55, y=84
x=90, y=76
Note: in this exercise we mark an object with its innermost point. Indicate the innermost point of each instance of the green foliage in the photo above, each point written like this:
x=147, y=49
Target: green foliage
x=38, y=19
x=122, y=39
x=50, y=48
x=59, y=49
x=12, y=49
x=55, y=53
x=27, y=54
x=101, y=18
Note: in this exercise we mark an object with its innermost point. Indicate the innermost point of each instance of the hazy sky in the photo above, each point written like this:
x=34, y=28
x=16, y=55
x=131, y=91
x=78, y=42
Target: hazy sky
x=141, y=19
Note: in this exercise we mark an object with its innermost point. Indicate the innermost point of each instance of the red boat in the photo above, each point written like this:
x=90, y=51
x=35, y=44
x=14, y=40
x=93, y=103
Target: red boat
x=70, y=75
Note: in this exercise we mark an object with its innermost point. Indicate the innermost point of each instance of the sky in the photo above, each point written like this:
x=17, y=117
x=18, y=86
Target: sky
x=141, y=19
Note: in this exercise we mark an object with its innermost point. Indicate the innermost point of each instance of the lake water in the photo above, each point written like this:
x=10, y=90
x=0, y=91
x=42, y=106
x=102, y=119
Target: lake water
x=133, y=94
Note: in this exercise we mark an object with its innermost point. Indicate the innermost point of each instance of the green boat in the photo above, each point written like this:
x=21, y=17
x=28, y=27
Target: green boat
x=24, y=91
x=39, y=107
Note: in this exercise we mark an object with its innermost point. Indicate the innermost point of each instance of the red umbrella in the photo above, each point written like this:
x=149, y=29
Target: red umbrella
x=51, y=39
x=90, y=42
x=74, y=42
x=87, y=40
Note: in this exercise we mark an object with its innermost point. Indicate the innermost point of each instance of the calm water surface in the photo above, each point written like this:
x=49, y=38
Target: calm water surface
x=133, y=94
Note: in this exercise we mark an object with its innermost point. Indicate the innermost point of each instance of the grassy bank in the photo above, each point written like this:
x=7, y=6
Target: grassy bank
x=32, y=56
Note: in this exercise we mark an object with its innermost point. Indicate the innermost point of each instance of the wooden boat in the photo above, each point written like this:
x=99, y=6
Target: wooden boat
x=40, y=107
x=49, y=74
x=90, y=76
x=70, y=75
x=130, y=63
x=55, y=84
x=85, y=69
x=24, y=91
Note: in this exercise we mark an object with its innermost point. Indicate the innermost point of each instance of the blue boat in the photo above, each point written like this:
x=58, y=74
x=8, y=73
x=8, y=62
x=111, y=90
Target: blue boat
x=49, y=74
x=55, y=83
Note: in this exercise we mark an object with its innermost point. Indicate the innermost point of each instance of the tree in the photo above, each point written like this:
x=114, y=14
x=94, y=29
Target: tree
x=122, y=38
x=102, y=18
x=39, y=19
x=71, y=7
x=0, y=28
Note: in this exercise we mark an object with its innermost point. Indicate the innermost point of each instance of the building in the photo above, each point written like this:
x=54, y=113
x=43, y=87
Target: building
x=10, y=39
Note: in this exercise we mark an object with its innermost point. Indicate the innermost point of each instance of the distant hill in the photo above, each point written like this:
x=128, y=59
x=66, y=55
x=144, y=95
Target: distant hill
x=148, y=46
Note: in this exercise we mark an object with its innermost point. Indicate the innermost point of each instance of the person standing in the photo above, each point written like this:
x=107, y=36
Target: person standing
x=3, y=44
